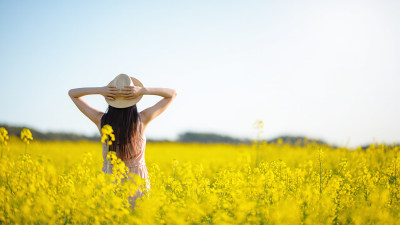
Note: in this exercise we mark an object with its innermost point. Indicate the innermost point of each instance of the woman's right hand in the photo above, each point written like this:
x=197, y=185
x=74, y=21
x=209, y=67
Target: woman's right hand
x=109, y=92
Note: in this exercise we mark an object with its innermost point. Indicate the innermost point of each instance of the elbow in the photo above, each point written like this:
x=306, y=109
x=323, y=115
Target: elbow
x=70, y=92
x=174, y=93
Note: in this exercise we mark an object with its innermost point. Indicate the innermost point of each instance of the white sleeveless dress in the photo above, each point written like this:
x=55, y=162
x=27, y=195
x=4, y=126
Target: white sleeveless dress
x=136, y=165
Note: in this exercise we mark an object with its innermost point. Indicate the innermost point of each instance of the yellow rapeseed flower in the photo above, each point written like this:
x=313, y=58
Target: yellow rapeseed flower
x=26, y=135
x=107, y=135
x=3, y=135
x=291, y=184
x=107, y=131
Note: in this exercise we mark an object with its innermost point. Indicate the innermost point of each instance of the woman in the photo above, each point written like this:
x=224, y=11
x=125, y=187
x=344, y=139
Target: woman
x=129, y=126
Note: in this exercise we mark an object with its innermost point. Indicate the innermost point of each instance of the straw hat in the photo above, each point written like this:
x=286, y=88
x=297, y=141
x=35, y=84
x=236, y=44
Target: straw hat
x=121, y=81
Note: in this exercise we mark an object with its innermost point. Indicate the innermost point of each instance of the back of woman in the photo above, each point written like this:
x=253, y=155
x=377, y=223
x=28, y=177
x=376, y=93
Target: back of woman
x=130, y=140
x=129, y=126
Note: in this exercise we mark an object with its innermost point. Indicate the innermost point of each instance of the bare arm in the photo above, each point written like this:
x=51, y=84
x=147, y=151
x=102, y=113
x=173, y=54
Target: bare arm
x=93, y=114
x=152, y=112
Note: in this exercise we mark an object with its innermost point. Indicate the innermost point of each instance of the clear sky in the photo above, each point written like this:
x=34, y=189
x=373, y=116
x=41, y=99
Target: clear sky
x=323, y=69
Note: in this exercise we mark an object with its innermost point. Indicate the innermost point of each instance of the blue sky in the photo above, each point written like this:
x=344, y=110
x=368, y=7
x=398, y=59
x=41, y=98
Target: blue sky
x=324, y=69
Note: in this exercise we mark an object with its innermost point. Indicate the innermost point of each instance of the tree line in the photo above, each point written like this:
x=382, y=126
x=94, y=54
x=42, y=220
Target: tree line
x=185, y=137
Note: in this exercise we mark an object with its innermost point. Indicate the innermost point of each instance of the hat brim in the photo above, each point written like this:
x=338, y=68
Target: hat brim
x=120, y=102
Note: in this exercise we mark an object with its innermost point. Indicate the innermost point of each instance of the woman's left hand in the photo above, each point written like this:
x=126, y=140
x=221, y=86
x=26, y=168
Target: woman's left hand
x=131, y=92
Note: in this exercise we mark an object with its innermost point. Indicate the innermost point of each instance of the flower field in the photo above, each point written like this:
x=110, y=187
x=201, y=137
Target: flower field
x=62, y=183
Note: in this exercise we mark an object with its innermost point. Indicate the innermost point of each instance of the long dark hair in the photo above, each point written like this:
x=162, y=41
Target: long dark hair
x=127, y=126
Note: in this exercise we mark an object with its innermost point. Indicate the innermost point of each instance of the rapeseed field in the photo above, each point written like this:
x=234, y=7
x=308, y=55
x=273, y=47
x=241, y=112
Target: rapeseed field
x=62, y=183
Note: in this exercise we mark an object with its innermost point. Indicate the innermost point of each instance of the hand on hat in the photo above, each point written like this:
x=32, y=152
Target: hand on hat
x=109, y=92
x=131, y=92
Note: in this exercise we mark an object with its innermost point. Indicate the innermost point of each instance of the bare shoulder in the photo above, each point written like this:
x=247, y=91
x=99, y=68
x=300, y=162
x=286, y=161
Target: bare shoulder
x=144, y=120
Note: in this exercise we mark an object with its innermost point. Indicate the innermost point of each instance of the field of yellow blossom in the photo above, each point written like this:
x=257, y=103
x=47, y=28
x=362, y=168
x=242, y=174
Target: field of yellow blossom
x=62, y=183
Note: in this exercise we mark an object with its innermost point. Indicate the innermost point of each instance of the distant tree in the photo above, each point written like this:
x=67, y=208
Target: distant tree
x=50, y=136
x=208, y=138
